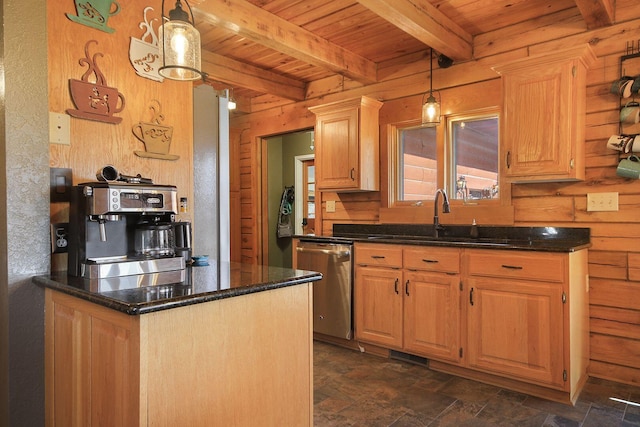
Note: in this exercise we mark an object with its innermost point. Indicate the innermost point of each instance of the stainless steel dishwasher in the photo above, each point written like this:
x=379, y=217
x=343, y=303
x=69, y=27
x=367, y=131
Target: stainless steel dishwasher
x=333, y=295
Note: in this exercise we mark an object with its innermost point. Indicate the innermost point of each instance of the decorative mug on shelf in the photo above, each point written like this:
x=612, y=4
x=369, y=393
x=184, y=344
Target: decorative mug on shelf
x=629, y=167
x=630, y=113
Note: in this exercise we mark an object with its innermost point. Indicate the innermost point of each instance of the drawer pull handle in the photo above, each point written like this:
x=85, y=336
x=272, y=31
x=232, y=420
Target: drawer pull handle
x=377, y=256
x=430, y=261
x=395, y=286
x=512, y=267
x=471, y=297
x=406, y=288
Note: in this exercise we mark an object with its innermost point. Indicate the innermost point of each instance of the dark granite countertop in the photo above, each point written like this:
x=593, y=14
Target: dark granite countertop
x=542, y=239
x=166, y=291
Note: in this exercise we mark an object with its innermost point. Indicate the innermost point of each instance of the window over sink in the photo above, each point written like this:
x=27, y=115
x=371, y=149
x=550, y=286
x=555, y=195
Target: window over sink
x=461, y=155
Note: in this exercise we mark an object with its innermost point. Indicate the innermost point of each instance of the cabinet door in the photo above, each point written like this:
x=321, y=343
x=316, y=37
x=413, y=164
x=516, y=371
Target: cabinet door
x=432, y=315
x=544, y=115
x=337, y=150
x=378, y=306
x=92, y=364
x=68, y=335
x=538, y=123
x=515, y=328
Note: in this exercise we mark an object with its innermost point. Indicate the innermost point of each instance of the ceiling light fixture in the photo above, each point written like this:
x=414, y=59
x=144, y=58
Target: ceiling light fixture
x=231, y=103
x=431, y=108
x=179, y=45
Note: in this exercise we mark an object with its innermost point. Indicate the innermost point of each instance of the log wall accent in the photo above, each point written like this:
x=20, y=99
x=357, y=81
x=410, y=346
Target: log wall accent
x=614, y=258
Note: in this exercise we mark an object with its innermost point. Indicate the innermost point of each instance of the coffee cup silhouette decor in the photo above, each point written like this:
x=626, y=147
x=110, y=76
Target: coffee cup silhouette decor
x=155, y=136
x=95, y=13
x=143, y=52
x=94, y=100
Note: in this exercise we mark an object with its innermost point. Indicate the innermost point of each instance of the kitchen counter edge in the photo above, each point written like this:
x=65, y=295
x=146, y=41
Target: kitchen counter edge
x=204, y=293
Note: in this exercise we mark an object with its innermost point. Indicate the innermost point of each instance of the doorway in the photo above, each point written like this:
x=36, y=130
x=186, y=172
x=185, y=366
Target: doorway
x=305, y=192
x=280, y=156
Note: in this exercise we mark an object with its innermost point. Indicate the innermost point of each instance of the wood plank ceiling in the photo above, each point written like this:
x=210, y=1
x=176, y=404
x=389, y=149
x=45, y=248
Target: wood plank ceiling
x=277, y=47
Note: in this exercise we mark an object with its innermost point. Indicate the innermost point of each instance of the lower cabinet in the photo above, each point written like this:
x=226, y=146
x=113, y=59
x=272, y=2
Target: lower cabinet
x=408, y=299
x=228, y=362
x=517, y=319
x=378, y=295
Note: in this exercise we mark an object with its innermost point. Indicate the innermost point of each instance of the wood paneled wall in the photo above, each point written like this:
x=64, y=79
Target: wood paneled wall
x=95, y=144
x=614, y=259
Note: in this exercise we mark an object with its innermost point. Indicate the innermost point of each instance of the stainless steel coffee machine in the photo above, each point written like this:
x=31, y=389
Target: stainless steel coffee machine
x=122, y=229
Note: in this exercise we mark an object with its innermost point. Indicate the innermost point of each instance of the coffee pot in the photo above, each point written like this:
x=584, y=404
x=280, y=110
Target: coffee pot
x=121, y=228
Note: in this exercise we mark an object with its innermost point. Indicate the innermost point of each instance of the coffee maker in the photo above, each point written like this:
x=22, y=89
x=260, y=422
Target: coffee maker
x=122, y=229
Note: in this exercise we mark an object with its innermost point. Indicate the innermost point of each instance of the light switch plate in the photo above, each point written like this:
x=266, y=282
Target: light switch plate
x=331, y=206
x=59, y=128
x=602, y=202
x=60, y=185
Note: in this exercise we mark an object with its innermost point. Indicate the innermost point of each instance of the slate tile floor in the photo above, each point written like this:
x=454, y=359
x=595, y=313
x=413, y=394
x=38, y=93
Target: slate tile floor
x=359, y=389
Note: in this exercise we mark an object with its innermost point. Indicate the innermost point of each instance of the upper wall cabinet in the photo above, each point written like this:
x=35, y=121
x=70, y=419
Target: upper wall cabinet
x=347, y=145
x=544, y=115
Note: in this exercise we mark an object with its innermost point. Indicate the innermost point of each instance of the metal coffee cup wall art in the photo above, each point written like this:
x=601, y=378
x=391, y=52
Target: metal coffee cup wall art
x=94, y=100
x=144, y=53
x=95, y=13
x=155, y=136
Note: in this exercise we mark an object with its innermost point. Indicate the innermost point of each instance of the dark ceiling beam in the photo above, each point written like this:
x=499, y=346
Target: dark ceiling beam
x=267, y=29
x=426, y=23
x=596, y=13
x=240, y=74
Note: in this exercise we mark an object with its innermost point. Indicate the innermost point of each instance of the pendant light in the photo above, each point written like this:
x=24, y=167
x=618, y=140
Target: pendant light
x=231, y=103
x=179, y=45
x=431, y=108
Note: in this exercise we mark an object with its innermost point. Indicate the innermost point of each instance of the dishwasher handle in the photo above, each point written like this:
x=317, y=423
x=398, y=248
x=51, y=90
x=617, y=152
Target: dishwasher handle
x=324, y=250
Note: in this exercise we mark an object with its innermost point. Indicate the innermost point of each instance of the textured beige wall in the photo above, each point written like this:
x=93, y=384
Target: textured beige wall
x=25, y=196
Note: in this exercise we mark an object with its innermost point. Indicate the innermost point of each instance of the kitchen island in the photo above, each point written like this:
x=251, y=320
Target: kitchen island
x=230, y=344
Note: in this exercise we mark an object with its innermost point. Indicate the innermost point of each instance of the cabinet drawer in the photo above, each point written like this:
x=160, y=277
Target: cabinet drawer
x=432, y=259
x=379, y=255
x=520, y=265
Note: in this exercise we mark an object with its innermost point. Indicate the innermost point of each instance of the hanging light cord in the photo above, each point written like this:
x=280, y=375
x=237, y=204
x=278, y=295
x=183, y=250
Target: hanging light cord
x=431, y=72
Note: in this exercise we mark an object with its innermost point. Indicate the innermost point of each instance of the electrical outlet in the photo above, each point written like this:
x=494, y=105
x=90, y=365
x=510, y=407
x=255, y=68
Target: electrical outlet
x=602, y=202
x=331, y=206
x=59, y=237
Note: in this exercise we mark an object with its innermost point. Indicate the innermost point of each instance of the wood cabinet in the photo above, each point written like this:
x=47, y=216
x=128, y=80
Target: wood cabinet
x=408, y=299
x=347, y=145
x=543, y=118
x=220, y=361
x=432, y=302
x=378, y=301
x=517, y=319
x=515, y=315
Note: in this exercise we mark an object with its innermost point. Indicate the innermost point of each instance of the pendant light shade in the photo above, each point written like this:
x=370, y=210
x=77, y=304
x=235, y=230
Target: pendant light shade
x=431, y=107
x=179, y=45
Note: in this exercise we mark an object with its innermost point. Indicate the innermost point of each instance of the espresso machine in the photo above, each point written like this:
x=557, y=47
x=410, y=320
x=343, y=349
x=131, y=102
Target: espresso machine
x=121, y=229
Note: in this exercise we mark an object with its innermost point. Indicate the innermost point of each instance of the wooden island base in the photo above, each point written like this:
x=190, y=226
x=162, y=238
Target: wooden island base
x=241, y=361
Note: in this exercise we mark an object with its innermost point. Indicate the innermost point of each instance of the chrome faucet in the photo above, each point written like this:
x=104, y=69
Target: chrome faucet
x=445, y=209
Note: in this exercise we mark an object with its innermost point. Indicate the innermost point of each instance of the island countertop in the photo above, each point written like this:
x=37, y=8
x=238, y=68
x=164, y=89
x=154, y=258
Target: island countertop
x=132, y=295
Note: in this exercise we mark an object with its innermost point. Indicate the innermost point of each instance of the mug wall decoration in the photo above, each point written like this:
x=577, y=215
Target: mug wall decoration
x=144, y=53
x=95, y=13
x=94, y=100
x=155, y=136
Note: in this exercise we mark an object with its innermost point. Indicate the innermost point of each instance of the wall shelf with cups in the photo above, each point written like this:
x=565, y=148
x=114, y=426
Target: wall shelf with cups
x=627, y=88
